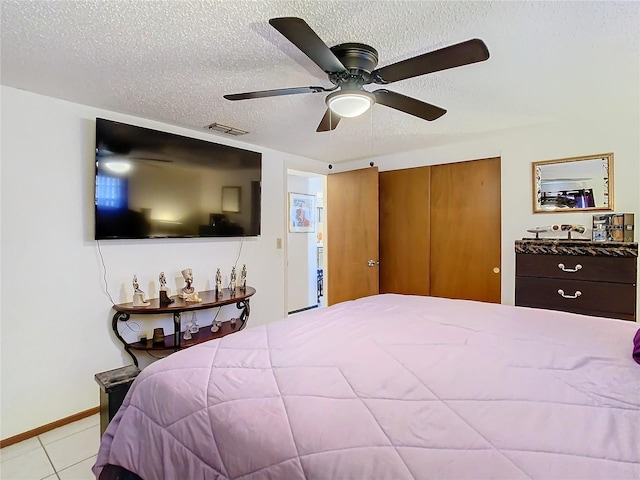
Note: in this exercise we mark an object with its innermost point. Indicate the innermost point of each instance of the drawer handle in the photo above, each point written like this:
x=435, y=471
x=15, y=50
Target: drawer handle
x=562, y=267
x=575, y=295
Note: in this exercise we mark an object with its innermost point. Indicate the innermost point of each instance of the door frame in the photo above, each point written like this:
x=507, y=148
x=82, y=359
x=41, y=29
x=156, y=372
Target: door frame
x=288, y=170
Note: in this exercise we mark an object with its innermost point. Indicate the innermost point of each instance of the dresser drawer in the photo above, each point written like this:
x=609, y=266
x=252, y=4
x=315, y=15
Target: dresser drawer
x=602, y=269
x=596, y=298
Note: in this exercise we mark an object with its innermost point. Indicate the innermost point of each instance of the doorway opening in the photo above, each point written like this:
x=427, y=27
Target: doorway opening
x=306, y=226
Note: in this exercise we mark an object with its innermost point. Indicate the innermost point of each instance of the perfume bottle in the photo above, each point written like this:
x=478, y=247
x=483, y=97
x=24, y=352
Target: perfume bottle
x=194, y=324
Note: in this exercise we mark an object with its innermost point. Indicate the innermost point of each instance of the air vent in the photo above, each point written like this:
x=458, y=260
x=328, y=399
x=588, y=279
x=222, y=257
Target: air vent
x=218, y=127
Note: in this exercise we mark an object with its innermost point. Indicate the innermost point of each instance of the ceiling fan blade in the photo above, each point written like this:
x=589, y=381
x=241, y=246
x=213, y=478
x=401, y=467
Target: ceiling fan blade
x=298, y=32
x=408, y=105
x=274, y=93
x=464, y=53
x=329, y=121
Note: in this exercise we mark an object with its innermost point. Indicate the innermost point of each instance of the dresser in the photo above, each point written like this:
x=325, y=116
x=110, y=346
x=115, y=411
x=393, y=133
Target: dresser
x=592, y=278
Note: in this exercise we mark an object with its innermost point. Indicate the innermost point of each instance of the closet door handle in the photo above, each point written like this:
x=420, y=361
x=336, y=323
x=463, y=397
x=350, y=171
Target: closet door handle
x=372, y=263
x=575, y=295
x=562, y=267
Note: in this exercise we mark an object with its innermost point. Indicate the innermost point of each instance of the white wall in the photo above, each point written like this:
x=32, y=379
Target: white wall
x=56, y=318
x=619, y=133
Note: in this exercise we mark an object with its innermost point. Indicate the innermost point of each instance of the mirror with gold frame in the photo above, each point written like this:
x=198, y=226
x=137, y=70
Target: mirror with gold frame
x=573, y=184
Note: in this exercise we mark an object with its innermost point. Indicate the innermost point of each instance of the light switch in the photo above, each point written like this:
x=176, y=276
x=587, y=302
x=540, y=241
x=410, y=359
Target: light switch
x=278, y=243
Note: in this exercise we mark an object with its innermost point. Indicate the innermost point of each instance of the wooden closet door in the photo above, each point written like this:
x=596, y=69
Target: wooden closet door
x=404, y=231
x=465, y=230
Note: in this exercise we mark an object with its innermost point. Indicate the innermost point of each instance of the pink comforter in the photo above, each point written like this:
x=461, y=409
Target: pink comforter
x=393, y=387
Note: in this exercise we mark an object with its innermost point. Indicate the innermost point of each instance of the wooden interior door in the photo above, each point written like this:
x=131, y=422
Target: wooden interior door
x=405, y=231
x=352, y=235
x=465, y=230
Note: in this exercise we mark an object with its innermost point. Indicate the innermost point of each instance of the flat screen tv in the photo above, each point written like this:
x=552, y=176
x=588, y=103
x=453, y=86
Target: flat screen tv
x=153, y=184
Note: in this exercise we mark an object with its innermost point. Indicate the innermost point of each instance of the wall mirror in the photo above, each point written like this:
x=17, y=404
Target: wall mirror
x=573, y=184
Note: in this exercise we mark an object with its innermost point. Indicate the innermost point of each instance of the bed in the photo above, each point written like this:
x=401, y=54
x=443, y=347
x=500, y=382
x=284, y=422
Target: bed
x=390, y=386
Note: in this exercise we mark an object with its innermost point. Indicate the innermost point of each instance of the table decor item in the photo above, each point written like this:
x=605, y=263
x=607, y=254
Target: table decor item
x=164, y=290
x=243, y=278
x=218, y=283
x=188, y=293
x=138, y=295
x=232, y=283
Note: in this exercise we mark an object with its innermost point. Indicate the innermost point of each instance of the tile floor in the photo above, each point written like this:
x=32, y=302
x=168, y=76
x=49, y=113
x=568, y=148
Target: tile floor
x=66, y=453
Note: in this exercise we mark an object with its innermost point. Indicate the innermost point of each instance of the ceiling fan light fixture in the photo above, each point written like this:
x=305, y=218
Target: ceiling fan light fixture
x=350, y=103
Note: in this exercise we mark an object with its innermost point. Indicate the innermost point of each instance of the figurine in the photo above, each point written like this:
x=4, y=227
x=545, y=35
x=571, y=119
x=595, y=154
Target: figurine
x=163, y=282
x=243, y=278
x=188, y=293
x=233, y=280
x=187, y=274
x=218, y=283
x=138, y=295
x=164, y=290
x=136, y=287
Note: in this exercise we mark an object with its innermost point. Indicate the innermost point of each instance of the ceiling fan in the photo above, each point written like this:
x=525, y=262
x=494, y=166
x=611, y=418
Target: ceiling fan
x=350, y=66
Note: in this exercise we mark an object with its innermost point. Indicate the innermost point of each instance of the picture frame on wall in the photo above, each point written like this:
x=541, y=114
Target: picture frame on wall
x=302, y=213
x=231, y=199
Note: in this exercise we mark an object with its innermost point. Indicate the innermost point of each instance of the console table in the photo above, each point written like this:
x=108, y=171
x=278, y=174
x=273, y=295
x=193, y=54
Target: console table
x=174, y=341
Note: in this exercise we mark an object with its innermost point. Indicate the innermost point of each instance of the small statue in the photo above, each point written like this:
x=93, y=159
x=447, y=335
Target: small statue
x=187, y=274
x=188, y=293
x=218, y=283
x=163, y=282
x=138, y=295
x=164, y=290
x=233, y=281
x=136, y=287
x=243, y=278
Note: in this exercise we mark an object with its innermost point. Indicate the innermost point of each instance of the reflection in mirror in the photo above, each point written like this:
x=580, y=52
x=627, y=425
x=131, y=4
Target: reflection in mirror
x=231, y=199
x=573, y=184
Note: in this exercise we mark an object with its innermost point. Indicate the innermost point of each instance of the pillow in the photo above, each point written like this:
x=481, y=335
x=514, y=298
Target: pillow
x=636, y=347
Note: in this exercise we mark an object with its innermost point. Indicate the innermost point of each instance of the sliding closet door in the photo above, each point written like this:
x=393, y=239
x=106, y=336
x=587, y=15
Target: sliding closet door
x=465, y=230
x=404, y=231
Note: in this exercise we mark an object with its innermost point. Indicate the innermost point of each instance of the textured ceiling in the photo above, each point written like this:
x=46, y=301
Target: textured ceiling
x=173, y=60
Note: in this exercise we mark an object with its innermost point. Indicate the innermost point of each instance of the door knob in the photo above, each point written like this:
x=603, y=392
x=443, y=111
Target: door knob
x=496, y=269
x=372, y=263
